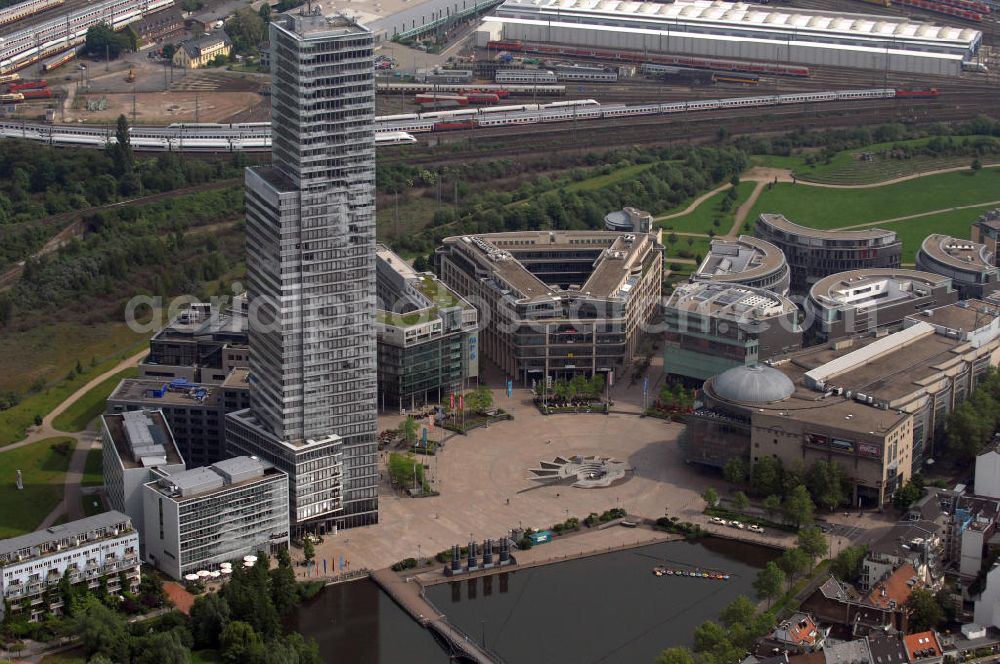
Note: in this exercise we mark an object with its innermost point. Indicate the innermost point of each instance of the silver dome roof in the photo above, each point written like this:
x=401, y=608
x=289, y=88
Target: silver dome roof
x=755, y=384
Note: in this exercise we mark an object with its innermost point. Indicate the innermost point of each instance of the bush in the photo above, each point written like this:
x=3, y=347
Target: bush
x=406, y=563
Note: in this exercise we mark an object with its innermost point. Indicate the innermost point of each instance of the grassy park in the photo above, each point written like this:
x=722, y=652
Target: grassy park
x=827, y=208
x=847, y=167
x=704, y=217
x=43, y=469
x=83, y=411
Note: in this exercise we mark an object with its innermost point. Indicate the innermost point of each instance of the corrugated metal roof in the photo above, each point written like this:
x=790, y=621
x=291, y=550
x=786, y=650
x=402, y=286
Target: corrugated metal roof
x=836, y=25
x=843, y=364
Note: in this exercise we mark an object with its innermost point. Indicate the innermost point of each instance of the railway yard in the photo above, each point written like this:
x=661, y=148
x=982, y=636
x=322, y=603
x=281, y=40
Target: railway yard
x=514, y=101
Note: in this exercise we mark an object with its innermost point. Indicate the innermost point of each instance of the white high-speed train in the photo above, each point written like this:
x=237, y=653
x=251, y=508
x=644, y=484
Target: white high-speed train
x=398, y=129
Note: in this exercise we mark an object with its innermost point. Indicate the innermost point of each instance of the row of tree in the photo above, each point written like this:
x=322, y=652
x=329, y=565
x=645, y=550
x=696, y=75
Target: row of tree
x=579, y=388
x=823, y=482
x=973, y=423
x=242, y=622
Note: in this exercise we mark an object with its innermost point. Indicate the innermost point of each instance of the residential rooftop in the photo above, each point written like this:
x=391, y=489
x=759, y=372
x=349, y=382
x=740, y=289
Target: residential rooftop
x=729, y=301
x=142, y=439
x=893, y=591
x=799, y=630
x=922, y=645
x=416, y=297
x=44, y=542
x=739, y=260
x=309, y=22
x=958, y=254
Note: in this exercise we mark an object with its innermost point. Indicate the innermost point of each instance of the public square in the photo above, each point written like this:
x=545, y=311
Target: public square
x=478, y=473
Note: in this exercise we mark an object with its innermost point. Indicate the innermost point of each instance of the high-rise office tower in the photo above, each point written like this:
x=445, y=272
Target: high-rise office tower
x=311, y=275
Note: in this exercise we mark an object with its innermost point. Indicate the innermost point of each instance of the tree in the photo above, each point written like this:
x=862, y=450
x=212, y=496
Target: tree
x=976, y=165
x=308, y=550
x=162, y=648
x=813, y=543
x=769, y=582
x=765, y=479
x=209, y=616
x=846, y=566
x=170, y=49
x=121, y=150
x=740, y=611
x=709, y=636
x=924, y=610
x=675, y=656
x=246, y=29
x=911, y=492
x=101, y=630
x=825, y=482
x=265, y=12
x=239, y=643
x=740, y=501
x=734, y=471
x=793, y=562
x=799, y=507
x=772, y=506
x=483, y=399
x=102, y=41
x=284, y=589
x=408, y=430
x=711, y=497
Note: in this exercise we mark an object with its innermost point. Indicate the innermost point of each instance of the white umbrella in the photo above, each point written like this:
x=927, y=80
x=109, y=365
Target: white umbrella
x=249, y=559
x=225, y=565
x=191, y=577
x=215, y=575
x=248, y=563
x=227, y=570
x=203, y=573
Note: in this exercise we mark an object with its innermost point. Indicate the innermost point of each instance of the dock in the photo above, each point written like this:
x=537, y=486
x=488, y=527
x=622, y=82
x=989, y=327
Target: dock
x=408, y=593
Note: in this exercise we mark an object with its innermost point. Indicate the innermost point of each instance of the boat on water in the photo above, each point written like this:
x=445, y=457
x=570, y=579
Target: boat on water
x=660, y=570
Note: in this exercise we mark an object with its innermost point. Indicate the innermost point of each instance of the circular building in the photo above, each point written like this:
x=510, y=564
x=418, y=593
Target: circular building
x=628, y=220
x=746, y=261
x=813, y=253
x=860, y=301
x=968, y=264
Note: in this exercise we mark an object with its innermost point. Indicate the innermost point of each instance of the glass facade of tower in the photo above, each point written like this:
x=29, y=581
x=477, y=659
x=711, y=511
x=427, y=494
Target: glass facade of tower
x=311, y=253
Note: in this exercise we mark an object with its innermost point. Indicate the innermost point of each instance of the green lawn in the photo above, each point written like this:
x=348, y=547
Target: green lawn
x=696, y=246
x=913, y=231
x=702, y=218
x=604, y=180
x=90, y=405
x=92, y=505
x=820, y=207
x=74, y=656
x=43, y=471
x=846, y=167
x=93, y=473
x=50, y=347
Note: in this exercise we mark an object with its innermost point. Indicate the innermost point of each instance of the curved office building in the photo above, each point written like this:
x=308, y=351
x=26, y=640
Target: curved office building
x=861, y=301
x=968, y=264
x=813, y=253
x=746, y=261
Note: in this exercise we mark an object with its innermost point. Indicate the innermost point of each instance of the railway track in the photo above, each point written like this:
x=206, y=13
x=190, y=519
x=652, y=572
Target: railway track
x=537, y=140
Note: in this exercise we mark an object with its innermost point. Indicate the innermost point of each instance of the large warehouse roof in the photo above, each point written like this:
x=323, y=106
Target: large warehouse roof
x=742, y=18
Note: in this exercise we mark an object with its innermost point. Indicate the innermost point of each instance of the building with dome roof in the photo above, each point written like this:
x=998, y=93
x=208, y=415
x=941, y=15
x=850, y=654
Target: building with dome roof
x=870, y=404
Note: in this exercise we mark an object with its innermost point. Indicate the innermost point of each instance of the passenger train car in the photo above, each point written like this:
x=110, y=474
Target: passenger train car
x=55, y=35
x=26, y=9
x=398, y=129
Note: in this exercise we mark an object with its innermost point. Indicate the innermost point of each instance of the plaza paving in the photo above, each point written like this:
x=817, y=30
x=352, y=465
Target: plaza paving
x=477, y=474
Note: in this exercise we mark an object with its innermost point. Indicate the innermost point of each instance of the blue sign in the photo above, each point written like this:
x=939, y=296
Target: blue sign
x=425, y=437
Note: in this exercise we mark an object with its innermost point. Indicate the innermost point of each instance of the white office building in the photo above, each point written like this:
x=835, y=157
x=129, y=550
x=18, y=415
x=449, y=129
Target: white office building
x=102, y=546
x=198, y=518
x=311, y=275
x=134, y=443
